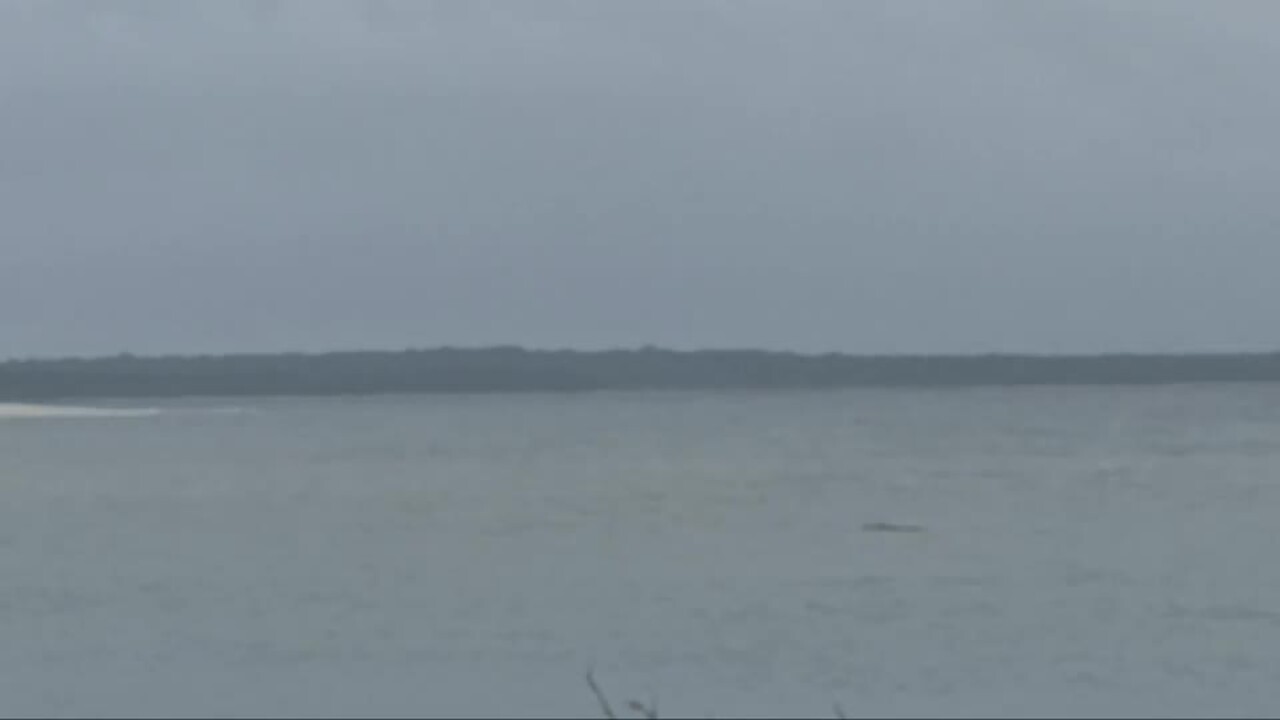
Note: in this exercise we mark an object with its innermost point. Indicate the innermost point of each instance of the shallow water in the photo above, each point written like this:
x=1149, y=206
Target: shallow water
x=964, y=552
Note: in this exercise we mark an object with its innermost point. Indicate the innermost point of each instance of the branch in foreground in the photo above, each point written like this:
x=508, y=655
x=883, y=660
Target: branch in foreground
x=600, y=697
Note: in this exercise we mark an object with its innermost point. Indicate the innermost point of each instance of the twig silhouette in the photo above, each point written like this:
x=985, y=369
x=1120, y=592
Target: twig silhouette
x=650, y=711
x=600, y=697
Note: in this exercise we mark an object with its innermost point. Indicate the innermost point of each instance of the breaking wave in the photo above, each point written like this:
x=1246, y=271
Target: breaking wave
x=19, y=411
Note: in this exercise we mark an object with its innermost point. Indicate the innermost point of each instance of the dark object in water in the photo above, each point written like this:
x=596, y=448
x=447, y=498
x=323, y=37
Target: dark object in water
x=891, y=527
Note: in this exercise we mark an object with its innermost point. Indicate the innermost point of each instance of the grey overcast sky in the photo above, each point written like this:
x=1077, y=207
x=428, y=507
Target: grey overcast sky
x=944, y=176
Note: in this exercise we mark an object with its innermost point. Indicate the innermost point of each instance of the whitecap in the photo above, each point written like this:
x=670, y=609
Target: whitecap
x=21, y=411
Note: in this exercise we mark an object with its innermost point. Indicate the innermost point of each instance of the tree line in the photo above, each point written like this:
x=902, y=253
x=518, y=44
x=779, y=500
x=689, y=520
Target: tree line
x=513, y=369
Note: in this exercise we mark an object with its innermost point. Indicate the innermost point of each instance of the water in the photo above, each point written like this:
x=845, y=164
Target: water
x=1079, y=551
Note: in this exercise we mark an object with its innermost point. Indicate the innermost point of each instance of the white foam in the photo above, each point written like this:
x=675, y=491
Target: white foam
x=20, y=411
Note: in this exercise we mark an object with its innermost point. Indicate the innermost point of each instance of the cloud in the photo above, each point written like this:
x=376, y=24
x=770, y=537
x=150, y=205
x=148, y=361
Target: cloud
x=862, y=176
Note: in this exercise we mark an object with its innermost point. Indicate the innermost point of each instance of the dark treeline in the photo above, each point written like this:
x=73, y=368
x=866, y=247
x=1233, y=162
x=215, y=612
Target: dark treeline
x=507, y=369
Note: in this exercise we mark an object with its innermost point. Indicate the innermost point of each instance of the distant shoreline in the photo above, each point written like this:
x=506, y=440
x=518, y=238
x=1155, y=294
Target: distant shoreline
x=513, y=369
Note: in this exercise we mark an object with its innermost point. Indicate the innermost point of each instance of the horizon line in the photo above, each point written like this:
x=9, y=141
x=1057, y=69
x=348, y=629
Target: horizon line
x=548, y=350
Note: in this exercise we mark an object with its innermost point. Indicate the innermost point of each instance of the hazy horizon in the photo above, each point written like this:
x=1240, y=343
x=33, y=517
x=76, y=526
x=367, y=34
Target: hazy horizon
x=1191, y=352
x=865, y=178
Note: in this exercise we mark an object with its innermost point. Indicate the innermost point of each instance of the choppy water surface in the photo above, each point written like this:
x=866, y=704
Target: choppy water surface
x=970, y=552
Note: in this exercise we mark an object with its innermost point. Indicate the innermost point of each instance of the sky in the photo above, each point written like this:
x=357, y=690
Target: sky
x=869, y=177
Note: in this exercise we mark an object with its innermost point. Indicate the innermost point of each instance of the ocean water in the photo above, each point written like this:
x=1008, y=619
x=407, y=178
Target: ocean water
x=979, y=552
